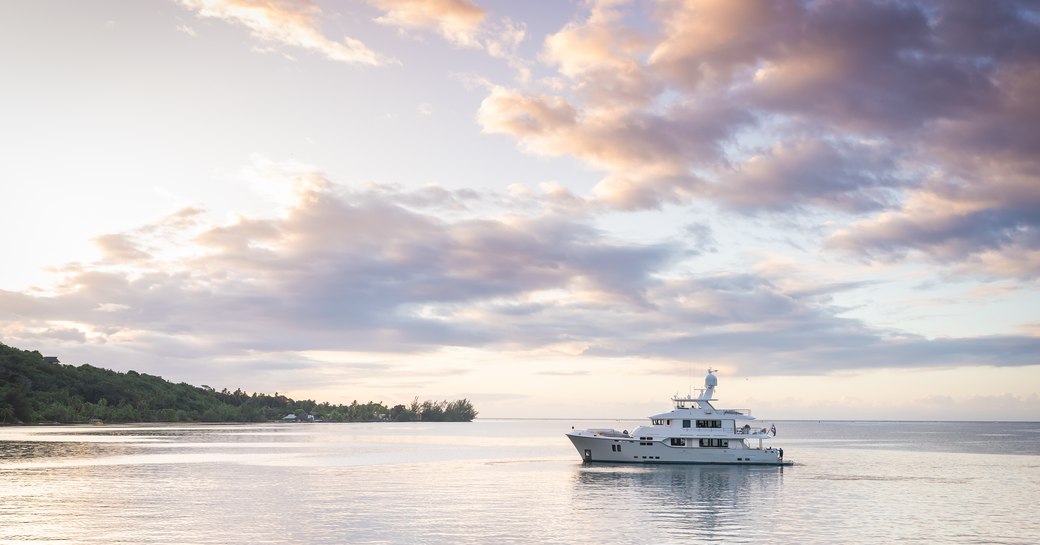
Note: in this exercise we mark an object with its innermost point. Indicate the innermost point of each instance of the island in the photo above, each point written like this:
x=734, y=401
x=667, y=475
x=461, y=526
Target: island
x=36, y=389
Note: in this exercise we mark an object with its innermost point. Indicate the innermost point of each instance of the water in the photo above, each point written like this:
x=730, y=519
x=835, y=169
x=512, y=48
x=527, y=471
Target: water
x=511, y=481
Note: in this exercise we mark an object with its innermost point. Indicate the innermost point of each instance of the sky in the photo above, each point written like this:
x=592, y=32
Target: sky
x=550, y=208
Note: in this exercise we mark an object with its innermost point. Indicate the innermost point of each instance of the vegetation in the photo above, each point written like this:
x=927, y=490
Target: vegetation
x=33, y=390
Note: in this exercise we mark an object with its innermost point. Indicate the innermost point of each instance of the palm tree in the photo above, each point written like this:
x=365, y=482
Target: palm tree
x=6, y=413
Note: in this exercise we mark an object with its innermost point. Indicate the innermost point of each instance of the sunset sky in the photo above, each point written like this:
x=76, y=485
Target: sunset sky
x=552, y=208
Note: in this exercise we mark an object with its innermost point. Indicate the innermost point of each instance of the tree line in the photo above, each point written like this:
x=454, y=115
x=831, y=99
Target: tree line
x=33, y=390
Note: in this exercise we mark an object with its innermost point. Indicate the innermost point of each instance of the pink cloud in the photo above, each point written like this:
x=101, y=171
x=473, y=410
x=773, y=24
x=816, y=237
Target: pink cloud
x=293, y=23
x=458, y=21
x=875, y=109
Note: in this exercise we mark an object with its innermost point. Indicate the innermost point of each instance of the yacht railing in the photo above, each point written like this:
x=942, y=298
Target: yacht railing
x=610, y=432
x=745, y=412
x=747, y=430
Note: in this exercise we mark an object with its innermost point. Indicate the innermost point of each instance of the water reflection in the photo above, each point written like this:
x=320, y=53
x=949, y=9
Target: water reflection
x=493, y=482
x=682, y=500
x=58, y=450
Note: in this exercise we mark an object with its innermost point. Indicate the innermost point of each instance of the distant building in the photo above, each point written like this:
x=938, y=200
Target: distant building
x=303, y=417
x=51, y=359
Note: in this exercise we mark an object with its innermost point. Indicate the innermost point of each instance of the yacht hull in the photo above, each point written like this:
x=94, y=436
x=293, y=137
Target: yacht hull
x=598, y=448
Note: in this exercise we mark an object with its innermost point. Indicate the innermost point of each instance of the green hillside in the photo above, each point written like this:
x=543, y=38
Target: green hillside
x=33, y=390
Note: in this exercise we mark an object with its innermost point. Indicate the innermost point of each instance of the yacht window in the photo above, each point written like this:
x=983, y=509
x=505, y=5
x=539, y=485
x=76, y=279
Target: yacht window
x=678, y=442
x=685, y=423
x=709, y=423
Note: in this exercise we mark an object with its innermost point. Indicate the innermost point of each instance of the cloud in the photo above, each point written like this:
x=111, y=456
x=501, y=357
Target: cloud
x=747, y=321
x=292, y=23
x=984, y=239
x=979, y=206
x=857, y=66
x=613, y=111
x=462, y=24
x=120, y=247
x=603, y=58
x=709, y=43
x=647, y=155
x=812, y=172
x=187, y=30
x=341, y=268
x=458, y=21
x=382, y=269
x=917, y=118
x=978, y=210
x=701, y=239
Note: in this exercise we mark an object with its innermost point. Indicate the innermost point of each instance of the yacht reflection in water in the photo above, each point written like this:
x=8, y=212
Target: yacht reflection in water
x=688, y=500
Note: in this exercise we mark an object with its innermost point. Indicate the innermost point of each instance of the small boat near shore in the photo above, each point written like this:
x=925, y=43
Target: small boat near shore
x=693, y=432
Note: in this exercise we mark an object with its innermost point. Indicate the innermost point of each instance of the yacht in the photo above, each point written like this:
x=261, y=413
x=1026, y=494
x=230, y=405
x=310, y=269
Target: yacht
x=693, y=432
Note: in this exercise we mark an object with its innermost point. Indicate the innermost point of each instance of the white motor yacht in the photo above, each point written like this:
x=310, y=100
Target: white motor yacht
x=693, y=432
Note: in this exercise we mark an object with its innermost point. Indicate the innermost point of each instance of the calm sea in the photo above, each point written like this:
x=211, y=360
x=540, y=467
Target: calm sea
x=511, y=481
